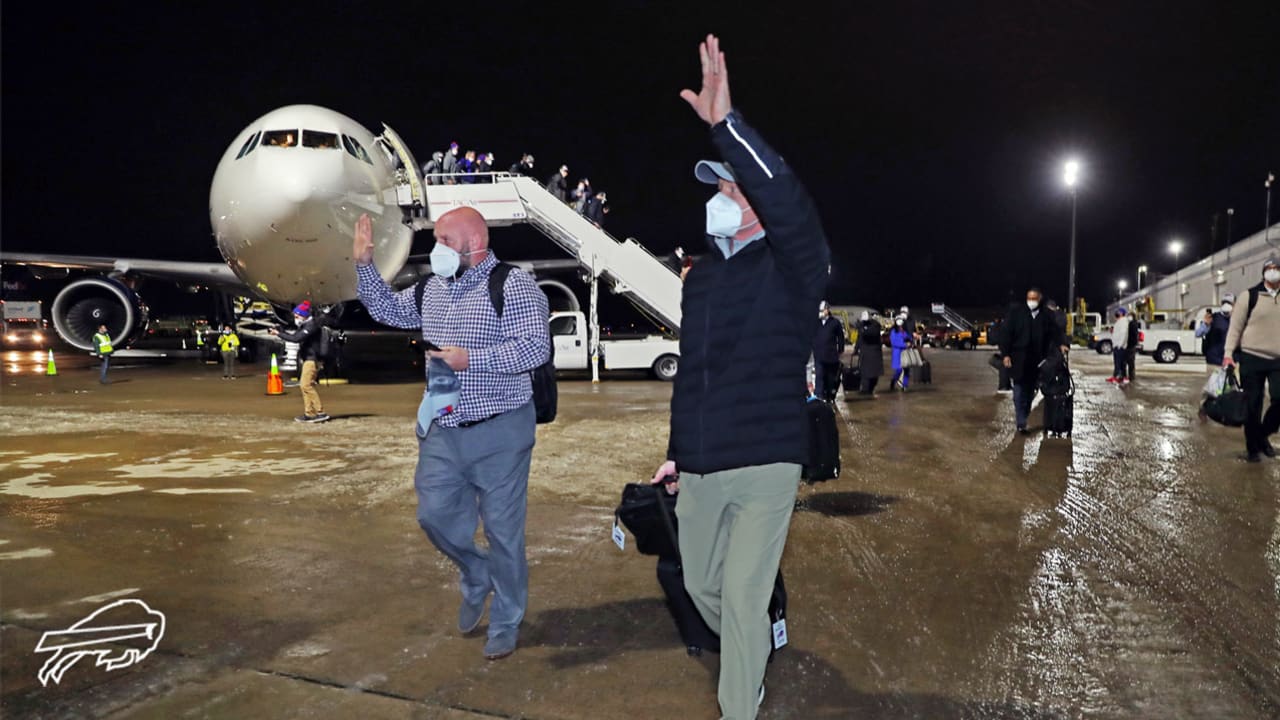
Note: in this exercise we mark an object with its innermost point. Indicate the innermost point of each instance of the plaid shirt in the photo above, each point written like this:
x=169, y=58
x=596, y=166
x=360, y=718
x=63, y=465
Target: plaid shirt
x=460, y=313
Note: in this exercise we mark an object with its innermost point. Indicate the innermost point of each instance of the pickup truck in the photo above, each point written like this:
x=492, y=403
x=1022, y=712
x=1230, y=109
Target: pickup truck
x=655, y=353
x=1169, y=340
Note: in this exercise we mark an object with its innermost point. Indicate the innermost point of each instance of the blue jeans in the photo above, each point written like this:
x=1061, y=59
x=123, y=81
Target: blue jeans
x=476, y=473
x=1120, y=362
x=106, y=362
x=1022, y=397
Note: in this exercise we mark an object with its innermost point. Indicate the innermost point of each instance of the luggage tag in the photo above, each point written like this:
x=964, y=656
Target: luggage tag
x=619, y=537
x=779, y=634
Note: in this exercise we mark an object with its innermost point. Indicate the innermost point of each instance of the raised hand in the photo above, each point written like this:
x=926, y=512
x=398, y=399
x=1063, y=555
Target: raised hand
x=362, y=249
x=712, y=101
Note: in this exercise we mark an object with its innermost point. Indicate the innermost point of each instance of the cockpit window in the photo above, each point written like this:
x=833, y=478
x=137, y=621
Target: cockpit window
x=321, y=140
x=248, y=146
x=353, y=147
x=280, y=138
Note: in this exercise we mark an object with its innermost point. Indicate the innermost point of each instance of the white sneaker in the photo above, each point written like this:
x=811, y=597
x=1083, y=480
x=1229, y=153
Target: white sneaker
x=760, y=699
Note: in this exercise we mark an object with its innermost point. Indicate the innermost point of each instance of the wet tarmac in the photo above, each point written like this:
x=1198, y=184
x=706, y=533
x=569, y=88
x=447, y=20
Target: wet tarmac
x=954, y=570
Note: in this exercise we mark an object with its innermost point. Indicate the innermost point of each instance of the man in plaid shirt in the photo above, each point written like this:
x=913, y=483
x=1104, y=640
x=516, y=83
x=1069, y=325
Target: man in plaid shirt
x=473, y=463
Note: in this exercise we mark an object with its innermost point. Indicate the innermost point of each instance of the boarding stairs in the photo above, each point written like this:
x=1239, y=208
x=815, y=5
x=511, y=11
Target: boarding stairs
x=628, y=268
x=952, y=318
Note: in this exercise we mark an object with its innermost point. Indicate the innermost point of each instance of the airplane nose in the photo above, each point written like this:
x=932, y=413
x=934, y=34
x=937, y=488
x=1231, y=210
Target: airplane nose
x=297, y=189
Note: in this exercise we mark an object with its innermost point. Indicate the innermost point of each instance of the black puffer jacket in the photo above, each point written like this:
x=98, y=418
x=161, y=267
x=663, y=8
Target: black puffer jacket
x=308, y=338
x=747, y=323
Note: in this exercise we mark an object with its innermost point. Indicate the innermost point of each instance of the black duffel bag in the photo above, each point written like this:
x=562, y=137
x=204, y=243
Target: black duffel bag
x=1231, y=408
x=640, y=513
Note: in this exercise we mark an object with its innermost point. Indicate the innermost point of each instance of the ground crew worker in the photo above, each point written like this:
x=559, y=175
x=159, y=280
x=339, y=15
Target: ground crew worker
x=102, y=341
x=308, y=338
x=229, y=346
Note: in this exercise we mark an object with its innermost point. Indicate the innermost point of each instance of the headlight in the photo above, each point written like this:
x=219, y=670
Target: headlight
x=11, y=337
x=38, y=337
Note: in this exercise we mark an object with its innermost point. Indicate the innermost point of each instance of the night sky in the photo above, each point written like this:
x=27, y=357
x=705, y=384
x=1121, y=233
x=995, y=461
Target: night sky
x=931, y=133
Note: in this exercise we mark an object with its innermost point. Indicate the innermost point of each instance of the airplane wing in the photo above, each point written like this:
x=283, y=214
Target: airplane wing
x=193, y=273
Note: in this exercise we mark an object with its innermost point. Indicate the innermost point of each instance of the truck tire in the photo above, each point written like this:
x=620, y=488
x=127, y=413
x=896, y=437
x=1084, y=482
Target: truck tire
x=665, y=367
x=966, y=345
x=1104, y=347
x=1168, y=353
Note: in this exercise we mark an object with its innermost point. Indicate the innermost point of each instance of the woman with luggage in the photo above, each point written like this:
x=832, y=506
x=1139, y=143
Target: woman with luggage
x=900, y=338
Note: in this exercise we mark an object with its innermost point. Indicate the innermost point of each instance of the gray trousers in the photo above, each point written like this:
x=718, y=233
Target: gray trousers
x=476, y=473
x=733, y=526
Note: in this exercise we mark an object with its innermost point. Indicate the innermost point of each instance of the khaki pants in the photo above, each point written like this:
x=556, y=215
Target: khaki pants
x=733, y=526
x=310, y=397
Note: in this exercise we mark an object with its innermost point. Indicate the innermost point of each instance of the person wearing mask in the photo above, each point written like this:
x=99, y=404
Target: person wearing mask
x=828, y=345
x=467, y=167
x=581, y=195
x=558, y=184
x=524, y=167
x=450, y=165
x=307, y=335
x=1119, y=348
x=229, y=346
x=900, y=338
x=102, y=342
x=1029, y=337
x=1213, y=328
x=473, y=457
x=764, y=273
x=432, y=170
x=484, y=166
x=870, y=353
x=1254, y=333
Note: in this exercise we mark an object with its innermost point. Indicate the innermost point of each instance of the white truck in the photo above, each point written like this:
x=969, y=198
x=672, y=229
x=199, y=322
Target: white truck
x=1169, y=340
x=23, y=323
x=660, y=355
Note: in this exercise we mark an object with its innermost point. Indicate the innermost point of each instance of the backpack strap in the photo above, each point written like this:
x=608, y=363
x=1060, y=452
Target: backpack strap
x=1253, y=300
x=420, y=289
x=497, y=282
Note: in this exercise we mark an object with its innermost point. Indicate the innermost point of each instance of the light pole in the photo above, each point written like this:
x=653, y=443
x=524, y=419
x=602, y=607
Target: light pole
x=1175, y=247
x=1120, y=287
x=1070, y=176
x=1266, y=233
x=1142, y=270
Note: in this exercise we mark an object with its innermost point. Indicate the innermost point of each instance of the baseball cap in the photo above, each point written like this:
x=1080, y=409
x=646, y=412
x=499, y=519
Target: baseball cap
x=1229, y=298
x=712, y=172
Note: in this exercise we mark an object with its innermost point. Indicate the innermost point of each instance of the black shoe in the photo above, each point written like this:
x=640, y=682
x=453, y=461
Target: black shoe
x=1268, y=450
x=1023, y=431
x=305, y=418
x=1253, y=458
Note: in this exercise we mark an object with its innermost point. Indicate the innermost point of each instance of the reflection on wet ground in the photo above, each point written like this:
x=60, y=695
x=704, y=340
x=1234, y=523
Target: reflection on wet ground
x=953, y=570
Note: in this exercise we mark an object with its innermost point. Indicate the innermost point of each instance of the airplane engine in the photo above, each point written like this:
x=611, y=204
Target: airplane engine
x=85, y=304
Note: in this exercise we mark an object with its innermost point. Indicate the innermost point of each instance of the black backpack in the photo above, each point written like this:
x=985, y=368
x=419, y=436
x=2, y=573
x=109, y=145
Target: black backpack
x=546, y=395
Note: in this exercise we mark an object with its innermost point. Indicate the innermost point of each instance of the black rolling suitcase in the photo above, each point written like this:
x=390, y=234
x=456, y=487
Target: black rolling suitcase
x=649, y=513
x=824, y=442
x=1059, y=399
x=924, y=373
x=851, y=380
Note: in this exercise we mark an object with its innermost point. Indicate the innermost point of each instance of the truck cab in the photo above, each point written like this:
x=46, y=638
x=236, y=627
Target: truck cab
x=655, y=353
x=22, y=323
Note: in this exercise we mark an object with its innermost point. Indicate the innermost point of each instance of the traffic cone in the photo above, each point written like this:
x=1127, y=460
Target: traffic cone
x=275, y=383
x=53, y=369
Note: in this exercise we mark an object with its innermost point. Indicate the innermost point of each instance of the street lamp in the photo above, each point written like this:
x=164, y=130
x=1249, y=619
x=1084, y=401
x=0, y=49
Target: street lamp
x=1070, y=177
x=1142, y=270
x=1121, y=285
x=1175, y=247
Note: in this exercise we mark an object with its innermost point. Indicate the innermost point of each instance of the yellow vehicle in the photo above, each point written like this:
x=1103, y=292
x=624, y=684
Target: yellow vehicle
x=968, y=339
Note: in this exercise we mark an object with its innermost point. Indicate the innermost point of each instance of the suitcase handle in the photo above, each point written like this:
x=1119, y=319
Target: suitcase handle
x=666, y=518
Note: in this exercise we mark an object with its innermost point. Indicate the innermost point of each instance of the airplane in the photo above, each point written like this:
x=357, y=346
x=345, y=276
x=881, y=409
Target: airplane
x=282, y=205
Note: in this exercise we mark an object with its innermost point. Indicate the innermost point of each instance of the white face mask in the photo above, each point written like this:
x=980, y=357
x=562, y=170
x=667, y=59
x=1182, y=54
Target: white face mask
x=1271, y=276
x=445, y=260
x=900, y=322
x=1226, y=308
x=724, y=217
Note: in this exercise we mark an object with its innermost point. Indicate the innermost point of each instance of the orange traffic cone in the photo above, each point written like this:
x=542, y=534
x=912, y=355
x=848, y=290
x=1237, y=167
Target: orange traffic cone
x=52, y=369
x=275, y=383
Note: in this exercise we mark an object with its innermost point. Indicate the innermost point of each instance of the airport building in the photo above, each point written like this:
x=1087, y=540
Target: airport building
x=1233, y=269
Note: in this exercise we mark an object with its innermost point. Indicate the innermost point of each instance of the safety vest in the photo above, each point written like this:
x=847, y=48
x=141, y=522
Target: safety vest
x=103, y=342
x=228, y=342
x=199, y=339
